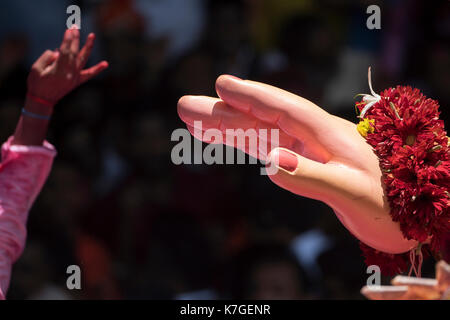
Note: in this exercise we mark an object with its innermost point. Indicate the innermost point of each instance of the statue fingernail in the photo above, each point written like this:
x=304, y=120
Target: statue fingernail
x=287, y=160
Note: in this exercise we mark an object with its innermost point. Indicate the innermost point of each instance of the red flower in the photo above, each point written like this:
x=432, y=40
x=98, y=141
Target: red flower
x=413, y=148
x=390, y=264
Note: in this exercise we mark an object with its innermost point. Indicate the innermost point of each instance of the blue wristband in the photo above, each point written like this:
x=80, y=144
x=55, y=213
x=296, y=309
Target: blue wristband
x=34, y=115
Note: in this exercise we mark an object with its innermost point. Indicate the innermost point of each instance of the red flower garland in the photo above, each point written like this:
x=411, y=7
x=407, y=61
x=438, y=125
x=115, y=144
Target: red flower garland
x=390, y=264
x=412, y=145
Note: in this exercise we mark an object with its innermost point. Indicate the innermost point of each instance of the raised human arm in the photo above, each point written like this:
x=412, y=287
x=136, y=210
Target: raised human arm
x=26, y=156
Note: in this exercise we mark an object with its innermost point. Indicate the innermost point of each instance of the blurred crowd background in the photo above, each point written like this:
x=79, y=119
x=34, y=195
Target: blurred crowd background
x=141, y=227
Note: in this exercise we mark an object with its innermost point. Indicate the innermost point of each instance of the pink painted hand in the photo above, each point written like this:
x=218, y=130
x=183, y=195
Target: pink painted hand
x=320, y=156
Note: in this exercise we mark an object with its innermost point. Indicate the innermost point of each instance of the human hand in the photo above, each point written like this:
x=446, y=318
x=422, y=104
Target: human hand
x=320, y=156
x=56, y=73
x=53, y=76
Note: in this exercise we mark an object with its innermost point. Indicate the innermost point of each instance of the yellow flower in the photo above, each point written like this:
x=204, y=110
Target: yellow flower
x=365, y=127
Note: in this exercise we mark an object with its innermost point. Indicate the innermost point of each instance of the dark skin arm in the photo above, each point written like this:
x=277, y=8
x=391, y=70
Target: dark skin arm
x=52, y=76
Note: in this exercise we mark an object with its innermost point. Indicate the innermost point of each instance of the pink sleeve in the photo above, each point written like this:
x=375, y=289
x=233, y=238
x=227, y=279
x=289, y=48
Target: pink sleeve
x=23, y=172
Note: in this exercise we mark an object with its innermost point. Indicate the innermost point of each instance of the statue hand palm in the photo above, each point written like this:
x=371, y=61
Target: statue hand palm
x=320, y=156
